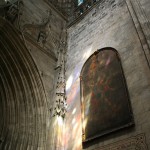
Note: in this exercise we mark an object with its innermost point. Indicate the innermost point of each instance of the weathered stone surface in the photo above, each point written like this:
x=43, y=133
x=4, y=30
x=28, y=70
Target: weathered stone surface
x=27, y=94
x=29, y=83
x=109, y=25
x=133, y=143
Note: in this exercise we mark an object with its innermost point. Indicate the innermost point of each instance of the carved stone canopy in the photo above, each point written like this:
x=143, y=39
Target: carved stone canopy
x=5, y=3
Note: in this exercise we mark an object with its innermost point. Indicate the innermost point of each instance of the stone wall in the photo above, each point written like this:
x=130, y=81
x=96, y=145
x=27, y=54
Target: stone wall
x=43, y=30
x=29, y=80
x=112, y=23
x=26, y=111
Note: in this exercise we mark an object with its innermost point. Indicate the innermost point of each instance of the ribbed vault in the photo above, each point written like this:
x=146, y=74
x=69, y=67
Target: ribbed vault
x=23, y=105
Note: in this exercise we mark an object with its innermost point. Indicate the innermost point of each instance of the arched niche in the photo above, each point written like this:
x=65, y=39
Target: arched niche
x=105, y=101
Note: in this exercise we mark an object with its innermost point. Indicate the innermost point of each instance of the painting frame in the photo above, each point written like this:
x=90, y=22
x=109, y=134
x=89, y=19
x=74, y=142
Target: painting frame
x=130, y=122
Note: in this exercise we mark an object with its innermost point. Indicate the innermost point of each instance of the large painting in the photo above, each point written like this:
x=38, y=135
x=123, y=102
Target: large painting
x=104, y=97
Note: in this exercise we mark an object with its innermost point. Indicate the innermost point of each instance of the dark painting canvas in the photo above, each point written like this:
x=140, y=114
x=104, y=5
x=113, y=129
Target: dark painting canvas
x=104, y=96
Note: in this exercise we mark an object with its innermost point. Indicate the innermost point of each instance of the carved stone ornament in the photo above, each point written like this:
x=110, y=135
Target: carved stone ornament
x=11, y=11
x=41, y=31
x=137, y=142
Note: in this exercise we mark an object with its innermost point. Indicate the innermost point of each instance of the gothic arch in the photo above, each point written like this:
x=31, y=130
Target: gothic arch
x=23, y=104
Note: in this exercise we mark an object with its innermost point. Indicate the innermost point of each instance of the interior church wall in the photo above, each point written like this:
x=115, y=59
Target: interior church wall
x=112, y=24
x=38, y=17
x=123, y=25
x=144, y=5
x=41, y=29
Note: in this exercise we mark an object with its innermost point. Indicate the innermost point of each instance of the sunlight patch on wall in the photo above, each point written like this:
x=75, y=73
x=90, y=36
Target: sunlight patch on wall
x=73, y=121
x=87, y=53
x=80, y=2
x=73, y=128
x=69, y=82
x=74, y=111
x=60, y=120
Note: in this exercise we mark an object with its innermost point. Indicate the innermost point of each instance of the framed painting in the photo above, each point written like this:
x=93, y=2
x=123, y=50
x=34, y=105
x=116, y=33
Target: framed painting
x=105, y=101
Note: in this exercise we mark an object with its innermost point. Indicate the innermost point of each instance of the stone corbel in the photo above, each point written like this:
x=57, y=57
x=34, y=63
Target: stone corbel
x=41, y=30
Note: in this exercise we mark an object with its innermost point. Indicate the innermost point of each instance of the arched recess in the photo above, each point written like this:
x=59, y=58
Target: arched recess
x=105, y=101
x=23, y=104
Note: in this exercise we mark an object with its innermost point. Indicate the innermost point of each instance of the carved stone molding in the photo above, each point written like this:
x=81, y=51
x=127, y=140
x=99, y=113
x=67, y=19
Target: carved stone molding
x=12, y=11
x=39, y=32
x=137, y=142
x=23, y=102
x=40, y=35
x=137, y=13
x=47, y=51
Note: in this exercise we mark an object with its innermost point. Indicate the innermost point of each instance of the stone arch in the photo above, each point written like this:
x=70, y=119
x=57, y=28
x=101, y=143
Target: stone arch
x=23, y=104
